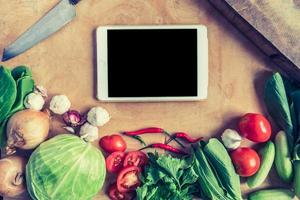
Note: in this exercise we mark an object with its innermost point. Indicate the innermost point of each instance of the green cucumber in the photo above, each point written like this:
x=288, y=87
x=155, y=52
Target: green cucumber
x=272, y=194
x=297, y=178
x=283, y=163
x=267, y=155
x=296, y=163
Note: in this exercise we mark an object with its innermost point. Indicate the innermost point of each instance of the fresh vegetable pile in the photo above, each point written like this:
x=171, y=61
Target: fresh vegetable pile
x=68, y=166
x=282, y=99
x=15, y=86
x=208, y=173
x=64, y=167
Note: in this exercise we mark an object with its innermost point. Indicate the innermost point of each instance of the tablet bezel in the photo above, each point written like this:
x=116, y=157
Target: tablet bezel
x=102, y=64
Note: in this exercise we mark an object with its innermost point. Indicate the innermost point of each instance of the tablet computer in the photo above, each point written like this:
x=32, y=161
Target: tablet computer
x=152, y=63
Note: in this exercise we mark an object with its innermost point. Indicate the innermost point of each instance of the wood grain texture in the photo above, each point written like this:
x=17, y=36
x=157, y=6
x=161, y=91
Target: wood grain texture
x=272, y=25
x=65, y=63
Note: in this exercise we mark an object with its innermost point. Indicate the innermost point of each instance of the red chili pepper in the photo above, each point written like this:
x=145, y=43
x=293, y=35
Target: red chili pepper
x=150, y=130
x=186, y=137
x=165, y=147
x=144, y=131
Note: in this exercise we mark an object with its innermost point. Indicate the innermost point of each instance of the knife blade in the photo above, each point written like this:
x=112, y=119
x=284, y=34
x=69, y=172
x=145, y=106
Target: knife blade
x=55, y=19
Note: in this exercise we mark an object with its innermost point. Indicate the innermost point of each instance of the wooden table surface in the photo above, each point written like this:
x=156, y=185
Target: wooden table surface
x=65, y=63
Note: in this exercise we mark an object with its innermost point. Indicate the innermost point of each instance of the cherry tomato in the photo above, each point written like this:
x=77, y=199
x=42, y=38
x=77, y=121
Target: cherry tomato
x=112, y=143
x=255, y=127
x=135, y=158
x=114, y=194
x=114, y=162
x=128, y=179
x=246, y=161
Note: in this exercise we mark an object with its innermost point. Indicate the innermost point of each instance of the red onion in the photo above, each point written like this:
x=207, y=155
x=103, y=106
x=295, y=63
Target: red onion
x=73, y=118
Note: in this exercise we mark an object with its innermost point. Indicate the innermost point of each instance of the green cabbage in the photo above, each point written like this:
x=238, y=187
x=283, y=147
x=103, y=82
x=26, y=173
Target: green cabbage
x=65, y=168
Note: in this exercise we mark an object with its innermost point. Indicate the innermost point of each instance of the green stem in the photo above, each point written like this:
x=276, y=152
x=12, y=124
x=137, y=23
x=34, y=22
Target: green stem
x=139, y=139
x=177, y=141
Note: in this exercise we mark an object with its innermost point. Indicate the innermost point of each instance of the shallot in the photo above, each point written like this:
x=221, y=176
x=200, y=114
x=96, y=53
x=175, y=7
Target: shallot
x=73, y=118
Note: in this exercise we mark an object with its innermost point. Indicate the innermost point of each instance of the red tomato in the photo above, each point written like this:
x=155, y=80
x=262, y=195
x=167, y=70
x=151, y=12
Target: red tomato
x=246, y=161
x=112, y=143
x=114, y=162
x=114, y=194
x=128, y=179
x=135, y=158
x=255, y=127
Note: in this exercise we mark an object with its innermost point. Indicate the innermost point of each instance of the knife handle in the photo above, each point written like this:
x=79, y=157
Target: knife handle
x=74, y=2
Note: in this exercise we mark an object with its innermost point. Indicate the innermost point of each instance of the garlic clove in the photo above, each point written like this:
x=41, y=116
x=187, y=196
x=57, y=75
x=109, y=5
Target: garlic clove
x=231, y=139
x=98, y=116
x=69, y=129
x=89, y=132
x=60, y=104
x=34, y=101
x=41, y=90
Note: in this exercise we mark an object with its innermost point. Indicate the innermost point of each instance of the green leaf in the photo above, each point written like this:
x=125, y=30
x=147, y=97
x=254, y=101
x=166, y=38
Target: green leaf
x=189, y=177
x=276, y=101
x=167, y=177
x=295, y=96
x=8, y=92
x=172, y=165
x=20, y=71
x=221, y=162
x=153, y=175
x=141, y=192
x=25, y=85
x=3, y=136
x=209, y=186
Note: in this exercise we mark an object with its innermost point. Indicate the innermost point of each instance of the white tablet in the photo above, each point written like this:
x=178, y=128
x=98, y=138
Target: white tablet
x=152, y=63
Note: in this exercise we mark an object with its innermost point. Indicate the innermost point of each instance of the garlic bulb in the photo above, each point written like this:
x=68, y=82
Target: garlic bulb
x=60, y=104
x=231, y=139
x=34, y=101
x=88, y=132
x=98, y=116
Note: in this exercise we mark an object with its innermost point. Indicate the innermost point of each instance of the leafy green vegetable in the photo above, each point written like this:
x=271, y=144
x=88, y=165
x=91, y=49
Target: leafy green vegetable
x=65, y=167
x=167, y=177
x=21, y=77
x=295, y=96
x=221, y=162
x=20, y=71
x=210, y=186
x=25, y=85
x=8, y=92
x=277, y=104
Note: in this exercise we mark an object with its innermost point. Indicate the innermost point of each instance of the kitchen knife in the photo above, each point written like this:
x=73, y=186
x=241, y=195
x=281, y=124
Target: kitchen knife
x=54, y=20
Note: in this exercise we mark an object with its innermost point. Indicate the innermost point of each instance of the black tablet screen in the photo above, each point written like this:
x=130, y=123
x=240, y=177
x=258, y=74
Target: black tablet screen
x=152, y=63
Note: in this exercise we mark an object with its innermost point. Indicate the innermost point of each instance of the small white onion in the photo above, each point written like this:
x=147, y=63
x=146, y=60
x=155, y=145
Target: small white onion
x=231, y=139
